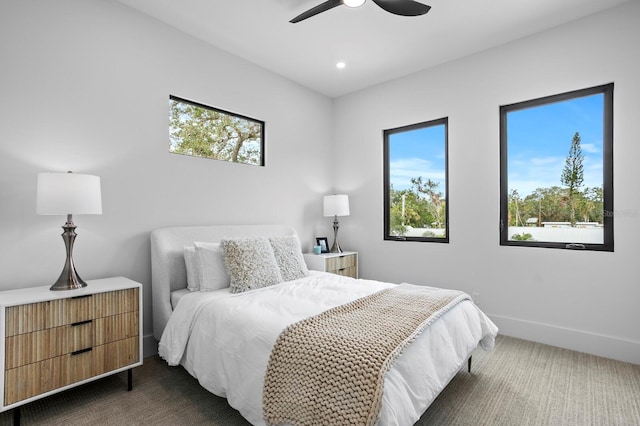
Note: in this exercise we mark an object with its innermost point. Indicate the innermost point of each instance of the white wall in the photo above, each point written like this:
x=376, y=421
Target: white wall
x=586, y=301
x=84, y=86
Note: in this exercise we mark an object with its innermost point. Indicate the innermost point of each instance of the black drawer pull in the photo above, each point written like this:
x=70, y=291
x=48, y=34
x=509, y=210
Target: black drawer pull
x=81, y=323
x=81, y=351
x=80, y=297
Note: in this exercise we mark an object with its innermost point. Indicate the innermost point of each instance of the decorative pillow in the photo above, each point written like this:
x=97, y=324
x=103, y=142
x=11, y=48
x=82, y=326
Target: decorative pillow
x=193, y=268
x=213, y=275
x=250, y=263
x=289, y=257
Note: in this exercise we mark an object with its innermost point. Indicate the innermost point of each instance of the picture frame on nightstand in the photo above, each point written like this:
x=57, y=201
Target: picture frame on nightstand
x=324, y=243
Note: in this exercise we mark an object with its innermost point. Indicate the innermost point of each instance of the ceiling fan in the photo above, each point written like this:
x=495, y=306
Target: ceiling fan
x=397, y=7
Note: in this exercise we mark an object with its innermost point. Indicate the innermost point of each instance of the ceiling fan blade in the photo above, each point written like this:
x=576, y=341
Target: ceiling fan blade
x=403, y=7
x=323, y=7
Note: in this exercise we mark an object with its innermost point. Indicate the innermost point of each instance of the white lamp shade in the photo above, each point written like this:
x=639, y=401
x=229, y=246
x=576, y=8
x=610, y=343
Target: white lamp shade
x=336, y=205
x=68, y=193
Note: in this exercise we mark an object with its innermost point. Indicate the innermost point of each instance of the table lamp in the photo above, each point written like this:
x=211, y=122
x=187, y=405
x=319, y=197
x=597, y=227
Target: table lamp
x=68, y=194
x=336, y=205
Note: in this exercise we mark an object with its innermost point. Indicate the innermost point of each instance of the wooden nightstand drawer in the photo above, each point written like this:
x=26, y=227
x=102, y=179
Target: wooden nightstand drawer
x=40, y=377
x=54, y=313
x=116, y=302
x=43, y=376
x=119, y=354
x=339, y=263
x=116, y=327
x=28, y=348
x=346, y=272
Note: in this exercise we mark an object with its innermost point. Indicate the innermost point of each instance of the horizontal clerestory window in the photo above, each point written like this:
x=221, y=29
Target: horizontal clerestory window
x=200, y=130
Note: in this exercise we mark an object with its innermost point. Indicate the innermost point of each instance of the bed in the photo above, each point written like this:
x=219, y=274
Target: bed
x=225, y=338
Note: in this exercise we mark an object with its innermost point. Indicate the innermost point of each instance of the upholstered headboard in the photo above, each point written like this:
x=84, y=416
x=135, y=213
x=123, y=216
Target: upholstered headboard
x=168, y=271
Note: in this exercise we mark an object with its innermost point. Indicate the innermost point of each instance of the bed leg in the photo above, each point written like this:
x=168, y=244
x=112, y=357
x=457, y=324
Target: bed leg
x=469, y=363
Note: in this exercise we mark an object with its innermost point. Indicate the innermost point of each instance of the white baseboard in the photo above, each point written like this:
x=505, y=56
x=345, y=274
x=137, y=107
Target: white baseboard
x=576, y=340
x=149, y=345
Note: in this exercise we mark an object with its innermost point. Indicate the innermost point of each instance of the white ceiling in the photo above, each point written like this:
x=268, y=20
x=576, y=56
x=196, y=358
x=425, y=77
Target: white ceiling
x=376, y=46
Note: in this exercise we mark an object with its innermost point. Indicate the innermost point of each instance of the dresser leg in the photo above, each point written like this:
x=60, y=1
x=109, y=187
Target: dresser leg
x=469, y=364
x=16, y=416
x=129, y=379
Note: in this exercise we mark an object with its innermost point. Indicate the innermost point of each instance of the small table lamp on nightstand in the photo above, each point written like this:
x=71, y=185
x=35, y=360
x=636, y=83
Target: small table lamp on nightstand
x=336, y=205
x=68, y=193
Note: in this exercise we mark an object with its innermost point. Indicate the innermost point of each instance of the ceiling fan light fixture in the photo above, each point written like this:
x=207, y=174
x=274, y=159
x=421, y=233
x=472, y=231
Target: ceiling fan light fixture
x=397, y=7
x=353, y=3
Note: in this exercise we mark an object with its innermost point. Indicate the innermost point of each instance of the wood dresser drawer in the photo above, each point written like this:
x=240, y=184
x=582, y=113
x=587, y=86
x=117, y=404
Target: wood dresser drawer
x=52, y=344
x=39, y=377
x=28, y=348
x=338, y=263
x=347, y=272
x=40, y=316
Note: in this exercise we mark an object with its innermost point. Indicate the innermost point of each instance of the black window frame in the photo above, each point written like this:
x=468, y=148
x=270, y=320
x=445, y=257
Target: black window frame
x=387, y=181
x=607, y=184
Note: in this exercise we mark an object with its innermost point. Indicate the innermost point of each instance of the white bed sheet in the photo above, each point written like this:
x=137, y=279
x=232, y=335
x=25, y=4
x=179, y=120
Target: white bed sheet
x=224, y=340
x=176, y=295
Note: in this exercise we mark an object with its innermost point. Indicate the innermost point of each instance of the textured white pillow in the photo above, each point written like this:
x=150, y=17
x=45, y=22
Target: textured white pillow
x=250, y=263
x=289, y=257
x=193, y=268
x=213, y=273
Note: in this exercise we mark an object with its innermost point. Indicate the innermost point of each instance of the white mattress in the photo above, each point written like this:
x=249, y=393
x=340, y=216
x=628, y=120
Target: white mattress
x=176, y=295
x=224, y=340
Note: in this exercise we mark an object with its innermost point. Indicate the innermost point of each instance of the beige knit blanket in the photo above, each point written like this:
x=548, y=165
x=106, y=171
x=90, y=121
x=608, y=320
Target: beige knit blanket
x=329, y=369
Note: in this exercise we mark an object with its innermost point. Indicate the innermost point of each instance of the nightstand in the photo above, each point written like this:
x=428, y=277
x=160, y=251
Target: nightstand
x=345, y=263
x=55, y=340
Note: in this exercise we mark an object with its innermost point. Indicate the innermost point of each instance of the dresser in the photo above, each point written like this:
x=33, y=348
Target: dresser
x=345, y=263
x=54, y=340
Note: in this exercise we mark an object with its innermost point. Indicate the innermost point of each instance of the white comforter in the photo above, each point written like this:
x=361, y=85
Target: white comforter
x=224, y=340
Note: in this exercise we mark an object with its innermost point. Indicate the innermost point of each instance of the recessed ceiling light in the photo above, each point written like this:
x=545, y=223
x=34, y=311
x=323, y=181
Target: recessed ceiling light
x=340, y=65
x=353, y=3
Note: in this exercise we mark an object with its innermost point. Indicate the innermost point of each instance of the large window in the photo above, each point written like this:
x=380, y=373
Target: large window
x=415, y=182
x=556, y=159
x=203, y=131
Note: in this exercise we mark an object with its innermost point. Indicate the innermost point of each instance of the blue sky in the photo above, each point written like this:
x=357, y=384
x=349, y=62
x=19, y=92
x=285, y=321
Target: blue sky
x=415, y=153
x=539, y=140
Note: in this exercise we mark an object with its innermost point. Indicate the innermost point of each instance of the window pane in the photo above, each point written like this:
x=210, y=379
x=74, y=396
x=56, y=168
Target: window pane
x=416, y=182
x=557, y=171
x=203, y=131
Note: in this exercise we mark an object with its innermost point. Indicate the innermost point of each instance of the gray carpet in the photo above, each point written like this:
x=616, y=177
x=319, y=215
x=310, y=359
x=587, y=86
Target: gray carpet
x=519, y=383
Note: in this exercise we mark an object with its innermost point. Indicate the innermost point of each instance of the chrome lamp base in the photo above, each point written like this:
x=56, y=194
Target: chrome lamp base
x=335, y=248
x=69, y=278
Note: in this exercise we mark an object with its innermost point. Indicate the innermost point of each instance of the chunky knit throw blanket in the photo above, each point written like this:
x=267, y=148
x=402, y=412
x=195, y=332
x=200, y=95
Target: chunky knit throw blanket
x=329, y=369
